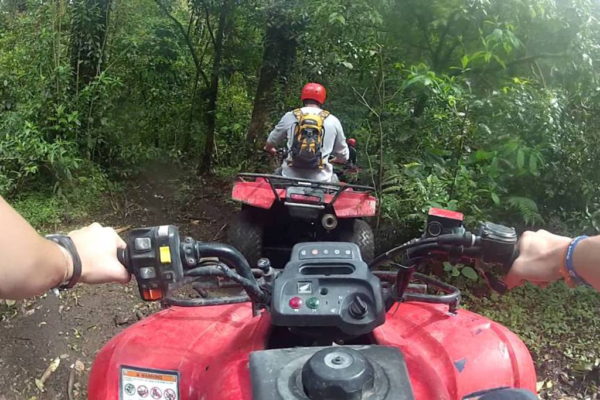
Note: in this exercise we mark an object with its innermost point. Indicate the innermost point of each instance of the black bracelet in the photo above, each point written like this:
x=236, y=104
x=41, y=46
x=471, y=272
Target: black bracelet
x=67, y=243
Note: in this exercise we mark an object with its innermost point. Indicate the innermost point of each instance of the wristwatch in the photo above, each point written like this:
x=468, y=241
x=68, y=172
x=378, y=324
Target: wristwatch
x=67, y=243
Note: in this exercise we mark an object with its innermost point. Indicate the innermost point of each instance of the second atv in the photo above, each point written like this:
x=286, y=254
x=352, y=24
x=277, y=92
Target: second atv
x=278, y=212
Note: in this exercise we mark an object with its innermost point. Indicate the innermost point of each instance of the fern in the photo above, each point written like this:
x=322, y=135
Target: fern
x=527, y=208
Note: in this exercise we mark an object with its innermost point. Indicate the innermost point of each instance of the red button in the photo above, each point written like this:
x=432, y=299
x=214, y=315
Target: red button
x=295, y=302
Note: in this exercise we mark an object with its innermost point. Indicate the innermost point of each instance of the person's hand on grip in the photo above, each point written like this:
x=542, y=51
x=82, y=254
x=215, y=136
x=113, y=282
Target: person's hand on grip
x=271, y=149
x=97, y=247
x=541, y=257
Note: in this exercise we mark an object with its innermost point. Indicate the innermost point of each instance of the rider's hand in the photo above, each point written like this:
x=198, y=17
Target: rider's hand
x=271, y=150
x=97, y=247
x=541, y=257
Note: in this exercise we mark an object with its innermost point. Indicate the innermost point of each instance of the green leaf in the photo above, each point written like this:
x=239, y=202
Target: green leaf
x=500, y=61
x=337, y=18
x=526, y=207
x=412, y=81
x=447, y=266
x=464, y=61
x=470, y=273
x=495, y=198
x=481, y=155
x=533, y=164
x=392, y=189
x=520, y=158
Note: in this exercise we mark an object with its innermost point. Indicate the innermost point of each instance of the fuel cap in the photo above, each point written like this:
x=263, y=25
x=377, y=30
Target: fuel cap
x=337, y=374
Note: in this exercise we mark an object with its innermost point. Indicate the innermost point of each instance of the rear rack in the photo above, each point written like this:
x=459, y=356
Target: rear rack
x=278, y=180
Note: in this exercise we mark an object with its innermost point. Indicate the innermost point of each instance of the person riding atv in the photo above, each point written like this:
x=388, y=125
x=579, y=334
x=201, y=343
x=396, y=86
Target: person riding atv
x=312, y=135
x=353, y=159
x=350, y=171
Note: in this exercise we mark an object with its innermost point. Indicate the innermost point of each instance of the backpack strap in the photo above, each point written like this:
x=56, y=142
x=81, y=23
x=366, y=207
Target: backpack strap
x=298, y=114
x=324, y=114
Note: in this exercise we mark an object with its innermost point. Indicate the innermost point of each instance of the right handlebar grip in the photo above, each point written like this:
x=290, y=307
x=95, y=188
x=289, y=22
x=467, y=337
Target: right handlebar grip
x=514, y=257
x=499, y=285
x=507, y=265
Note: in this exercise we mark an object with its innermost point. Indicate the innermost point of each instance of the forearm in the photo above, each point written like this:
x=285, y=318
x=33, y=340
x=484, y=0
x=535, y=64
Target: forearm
x=29, y=264
x=586, y=260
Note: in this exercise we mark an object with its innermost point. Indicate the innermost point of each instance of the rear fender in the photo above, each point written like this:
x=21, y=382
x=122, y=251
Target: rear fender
x=353, y=204
x=258, y=193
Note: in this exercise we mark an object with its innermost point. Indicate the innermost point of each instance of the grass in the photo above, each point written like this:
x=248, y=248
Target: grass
x=50, y=210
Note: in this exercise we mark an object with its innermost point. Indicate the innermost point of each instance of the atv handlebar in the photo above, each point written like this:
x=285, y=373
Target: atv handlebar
x=161, y=262
x=495, y=244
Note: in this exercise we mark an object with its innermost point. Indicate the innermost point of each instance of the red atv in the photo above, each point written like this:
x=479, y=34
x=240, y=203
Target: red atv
x=327, y=327
x=278, y=212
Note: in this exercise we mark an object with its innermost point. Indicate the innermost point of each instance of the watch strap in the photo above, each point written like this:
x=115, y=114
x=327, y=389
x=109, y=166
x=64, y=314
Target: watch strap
x=67, y=243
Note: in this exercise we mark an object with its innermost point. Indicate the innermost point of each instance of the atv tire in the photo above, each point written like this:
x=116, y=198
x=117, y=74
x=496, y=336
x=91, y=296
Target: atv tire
x=246, y=234
x=358, y=231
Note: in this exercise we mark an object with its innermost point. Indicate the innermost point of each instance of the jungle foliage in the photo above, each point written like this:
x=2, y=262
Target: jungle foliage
x=488, y=107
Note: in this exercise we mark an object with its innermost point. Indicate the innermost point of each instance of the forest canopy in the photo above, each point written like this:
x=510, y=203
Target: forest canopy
x=488, y=107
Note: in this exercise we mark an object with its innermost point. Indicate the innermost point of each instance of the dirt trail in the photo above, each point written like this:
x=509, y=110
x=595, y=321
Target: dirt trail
x=74, y=327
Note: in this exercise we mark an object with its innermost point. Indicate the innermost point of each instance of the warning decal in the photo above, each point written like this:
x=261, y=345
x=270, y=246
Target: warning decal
x=151, y=384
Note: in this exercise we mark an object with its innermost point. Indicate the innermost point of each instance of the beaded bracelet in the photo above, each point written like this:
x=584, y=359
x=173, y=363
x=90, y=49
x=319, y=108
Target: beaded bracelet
x=569, y=267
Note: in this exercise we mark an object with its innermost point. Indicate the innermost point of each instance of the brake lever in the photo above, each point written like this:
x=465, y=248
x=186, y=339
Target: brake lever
x=494, y=283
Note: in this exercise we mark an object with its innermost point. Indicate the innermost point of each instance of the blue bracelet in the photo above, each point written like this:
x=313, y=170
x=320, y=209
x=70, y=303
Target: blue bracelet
x=569, y=262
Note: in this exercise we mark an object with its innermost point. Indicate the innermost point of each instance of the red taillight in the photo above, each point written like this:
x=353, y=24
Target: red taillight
x=304, y=198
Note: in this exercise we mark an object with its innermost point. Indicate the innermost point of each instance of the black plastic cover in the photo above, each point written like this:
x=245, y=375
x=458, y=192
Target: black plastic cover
x=153, y=256
x=277, y=374
x=323, y=285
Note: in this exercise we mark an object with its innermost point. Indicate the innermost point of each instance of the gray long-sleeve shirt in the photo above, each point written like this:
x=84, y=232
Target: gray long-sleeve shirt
x=334, y=143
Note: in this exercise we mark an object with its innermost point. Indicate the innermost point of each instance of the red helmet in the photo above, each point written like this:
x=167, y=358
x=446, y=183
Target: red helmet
x=314, y=91
x=351, y=142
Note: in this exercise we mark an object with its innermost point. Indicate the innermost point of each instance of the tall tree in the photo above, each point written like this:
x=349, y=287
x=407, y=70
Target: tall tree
x=212, y=93
x=89, y=31
x=194, y=37
x=279, y=54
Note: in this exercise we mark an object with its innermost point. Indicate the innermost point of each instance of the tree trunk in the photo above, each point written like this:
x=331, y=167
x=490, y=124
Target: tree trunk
x=278, y=58
x=210, y=113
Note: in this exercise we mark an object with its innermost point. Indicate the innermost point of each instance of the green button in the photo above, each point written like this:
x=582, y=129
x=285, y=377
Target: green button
x=313, y=303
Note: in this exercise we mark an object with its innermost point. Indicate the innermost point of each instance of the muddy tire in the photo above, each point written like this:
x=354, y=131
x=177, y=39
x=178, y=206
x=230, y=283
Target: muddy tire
x=359, y=231
x=246, y=234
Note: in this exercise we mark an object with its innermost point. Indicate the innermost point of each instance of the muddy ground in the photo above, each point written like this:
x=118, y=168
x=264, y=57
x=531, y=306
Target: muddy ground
x=36, y=333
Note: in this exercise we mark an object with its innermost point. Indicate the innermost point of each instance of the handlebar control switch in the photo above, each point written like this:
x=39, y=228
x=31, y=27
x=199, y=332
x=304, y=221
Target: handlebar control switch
x=153, y=256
